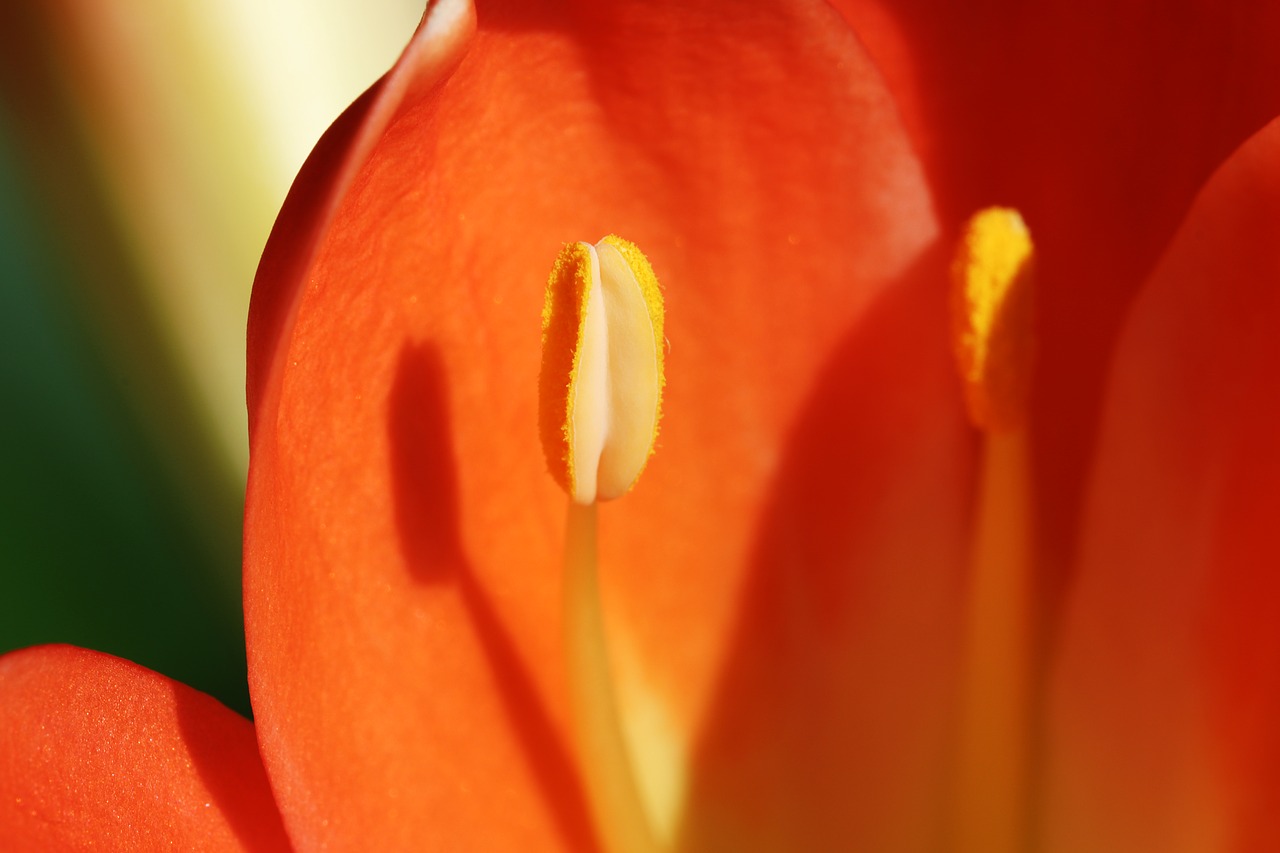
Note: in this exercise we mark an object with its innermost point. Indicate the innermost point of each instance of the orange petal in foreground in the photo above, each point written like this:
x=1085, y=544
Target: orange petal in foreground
x=403, y=538
x=97, y=753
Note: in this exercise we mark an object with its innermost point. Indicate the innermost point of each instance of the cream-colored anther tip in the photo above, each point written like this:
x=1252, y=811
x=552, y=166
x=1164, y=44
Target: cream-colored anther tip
x=600, y=390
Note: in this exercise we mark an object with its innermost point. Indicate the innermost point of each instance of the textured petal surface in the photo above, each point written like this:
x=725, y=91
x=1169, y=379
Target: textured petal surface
x=1100, y=121
x=403, y=538
x=97, y=753
x=1166, y=693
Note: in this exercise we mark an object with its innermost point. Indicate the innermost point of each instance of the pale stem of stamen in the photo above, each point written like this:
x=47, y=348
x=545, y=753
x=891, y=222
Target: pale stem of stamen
x=602, y=752
x=991, y=791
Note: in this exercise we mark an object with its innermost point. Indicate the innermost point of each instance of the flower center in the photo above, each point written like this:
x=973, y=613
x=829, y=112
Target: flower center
x=992, y=283
x=600, y=397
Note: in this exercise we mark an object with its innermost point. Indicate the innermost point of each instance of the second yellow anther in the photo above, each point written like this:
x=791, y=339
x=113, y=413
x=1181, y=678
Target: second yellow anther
x=992, y=315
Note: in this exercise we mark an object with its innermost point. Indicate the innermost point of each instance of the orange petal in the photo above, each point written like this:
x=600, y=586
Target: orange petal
x=99, y=753
x=403, y=538
x=830, y=727
x=1165, y=698
x=1099, y=122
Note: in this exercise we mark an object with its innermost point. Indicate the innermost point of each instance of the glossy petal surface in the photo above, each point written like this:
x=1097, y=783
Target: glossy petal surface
x=403, y=538
x=97, y=753
x=1164, y=701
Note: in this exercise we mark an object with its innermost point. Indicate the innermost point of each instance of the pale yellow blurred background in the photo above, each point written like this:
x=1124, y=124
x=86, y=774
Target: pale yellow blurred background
x=200, y=113
x=145, y=148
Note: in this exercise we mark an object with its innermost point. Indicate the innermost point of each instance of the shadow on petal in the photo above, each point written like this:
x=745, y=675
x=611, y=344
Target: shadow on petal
x=235, y=778
x=426, y=497
x=830, y=725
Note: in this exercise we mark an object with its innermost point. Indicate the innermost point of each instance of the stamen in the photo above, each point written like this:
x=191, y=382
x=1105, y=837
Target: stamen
x=603, y=757
x=600, y=390
x=991, y=786
x=600, y=396
x=993, y=776
x=992, y=313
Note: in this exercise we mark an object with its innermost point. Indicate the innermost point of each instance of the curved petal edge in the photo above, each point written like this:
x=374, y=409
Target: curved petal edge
x=99, y=753
x=1164, y=697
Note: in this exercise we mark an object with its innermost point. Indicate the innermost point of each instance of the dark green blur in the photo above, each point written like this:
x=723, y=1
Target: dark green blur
x=118, y=530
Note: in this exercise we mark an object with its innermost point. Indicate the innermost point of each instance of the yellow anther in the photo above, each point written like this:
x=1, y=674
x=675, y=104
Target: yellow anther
x=600, y=391
x=992, y=310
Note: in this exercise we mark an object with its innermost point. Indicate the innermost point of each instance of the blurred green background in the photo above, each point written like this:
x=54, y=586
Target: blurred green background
x=145, y=146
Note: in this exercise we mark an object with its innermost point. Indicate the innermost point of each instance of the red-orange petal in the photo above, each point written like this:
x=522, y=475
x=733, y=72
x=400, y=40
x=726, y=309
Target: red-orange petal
x=403, y=537
x=1165, y=697
x=97, y=753
x=1099, y=121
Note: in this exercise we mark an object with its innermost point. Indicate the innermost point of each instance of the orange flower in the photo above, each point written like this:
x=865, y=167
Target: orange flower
x=785, y=592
